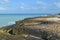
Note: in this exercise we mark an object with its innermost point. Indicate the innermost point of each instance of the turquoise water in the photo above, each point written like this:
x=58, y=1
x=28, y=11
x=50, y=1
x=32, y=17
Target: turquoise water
x=6, y=19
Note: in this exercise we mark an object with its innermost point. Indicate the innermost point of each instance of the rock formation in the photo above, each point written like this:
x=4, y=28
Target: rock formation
x=37, y=28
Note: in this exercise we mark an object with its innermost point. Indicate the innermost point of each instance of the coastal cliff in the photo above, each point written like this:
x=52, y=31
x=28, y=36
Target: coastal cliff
x=36, y=28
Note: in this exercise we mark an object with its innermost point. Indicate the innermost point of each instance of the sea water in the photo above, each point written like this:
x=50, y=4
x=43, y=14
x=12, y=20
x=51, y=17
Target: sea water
x=8, y=19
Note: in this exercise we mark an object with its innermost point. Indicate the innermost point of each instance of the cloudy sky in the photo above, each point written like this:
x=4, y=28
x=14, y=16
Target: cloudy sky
x=29, y=6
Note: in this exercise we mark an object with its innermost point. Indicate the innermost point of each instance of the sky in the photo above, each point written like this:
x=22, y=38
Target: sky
x=29, y=6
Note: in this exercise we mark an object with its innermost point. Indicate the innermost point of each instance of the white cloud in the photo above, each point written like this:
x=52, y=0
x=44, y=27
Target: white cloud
x=4, y=1
x=24, y=6
x=57, y=5
x=38, y=5
x=41, y=3
x=2, y=8
x=48, y=6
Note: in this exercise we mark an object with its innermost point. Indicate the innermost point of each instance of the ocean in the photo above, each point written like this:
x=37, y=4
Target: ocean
x=8, y=19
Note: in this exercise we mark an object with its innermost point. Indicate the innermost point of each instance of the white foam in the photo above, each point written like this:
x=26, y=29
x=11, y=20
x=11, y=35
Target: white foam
x=11, y=22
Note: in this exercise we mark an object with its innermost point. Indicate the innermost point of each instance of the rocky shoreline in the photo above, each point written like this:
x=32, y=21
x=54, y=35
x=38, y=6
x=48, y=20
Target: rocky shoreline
x=36, y=28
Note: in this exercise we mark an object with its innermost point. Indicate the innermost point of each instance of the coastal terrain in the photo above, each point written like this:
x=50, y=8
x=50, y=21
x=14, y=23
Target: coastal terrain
x=36, y=28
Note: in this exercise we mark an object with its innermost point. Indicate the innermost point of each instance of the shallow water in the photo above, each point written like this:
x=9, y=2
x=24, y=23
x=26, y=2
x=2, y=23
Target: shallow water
x=6, y=19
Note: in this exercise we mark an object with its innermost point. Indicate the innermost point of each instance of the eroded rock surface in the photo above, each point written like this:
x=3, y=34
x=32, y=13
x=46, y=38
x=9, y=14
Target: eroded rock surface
x=37, y=28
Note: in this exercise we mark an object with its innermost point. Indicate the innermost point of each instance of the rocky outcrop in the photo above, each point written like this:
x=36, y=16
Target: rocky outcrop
x=37, y=28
